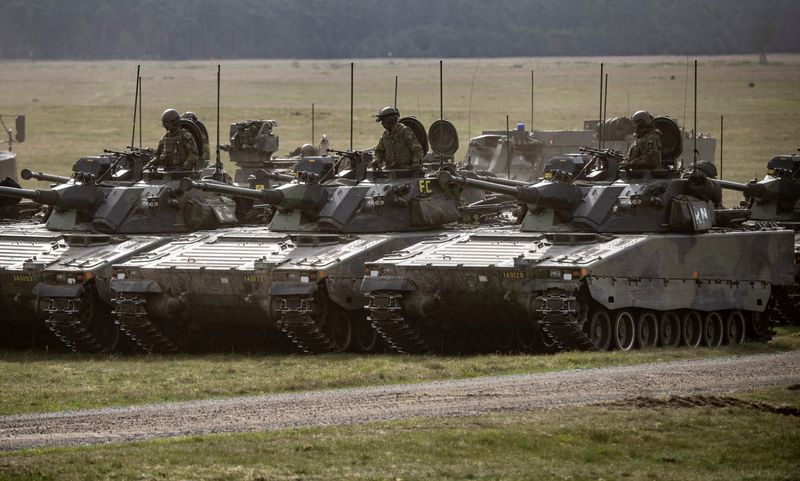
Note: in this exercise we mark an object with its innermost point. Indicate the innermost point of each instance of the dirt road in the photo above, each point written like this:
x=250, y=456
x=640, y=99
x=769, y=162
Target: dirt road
x=433, y=399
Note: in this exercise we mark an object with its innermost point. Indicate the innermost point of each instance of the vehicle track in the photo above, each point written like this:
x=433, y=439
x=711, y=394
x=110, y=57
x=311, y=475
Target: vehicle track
x=432, y=399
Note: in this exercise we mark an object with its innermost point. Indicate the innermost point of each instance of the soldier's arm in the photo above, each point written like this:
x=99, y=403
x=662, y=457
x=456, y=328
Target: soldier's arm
x=415, y=148
x=159, y=151
x=192, y=155
x=380, y=152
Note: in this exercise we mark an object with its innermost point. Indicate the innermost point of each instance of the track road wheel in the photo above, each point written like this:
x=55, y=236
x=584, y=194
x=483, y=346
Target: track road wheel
x=647, y=330
x=735, y=328
x=340, y=329
x=669, y=328
x=692, y=327
x=505, y=339
x=713, y=329
x=599, y=330
x=527, y=341
x=759, y=326
x=482, y=340
x=624, y=331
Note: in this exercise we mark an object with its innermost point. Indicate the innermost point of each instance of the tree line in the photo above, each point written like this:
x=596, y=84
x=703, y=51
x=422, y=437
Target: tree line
x=202, y=29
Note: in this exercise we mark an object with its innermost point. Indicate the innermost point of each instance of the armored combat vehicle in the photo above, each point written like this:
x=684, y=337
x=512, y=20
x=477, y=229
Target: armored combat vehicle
x=302, y=274
x=639, y=258
x=775, y=200
x=60, y=271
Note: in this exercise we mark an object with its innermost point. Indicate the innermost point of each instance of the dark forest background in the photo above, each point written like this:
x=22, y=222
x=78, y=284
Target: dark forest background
x=203, y=29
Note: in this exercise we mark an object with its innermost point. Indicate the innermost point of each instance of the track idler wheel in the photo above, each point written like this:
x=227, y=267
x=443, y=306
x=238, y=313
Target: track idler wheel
x=599, y=330
x=692, y=328
x=759, y=326
x=735, y=328
x=366, y=338
x=647, y=330
x=669, y=328
x=544, y=344
x=713, y=329
x=624, y=331
x=339, y=328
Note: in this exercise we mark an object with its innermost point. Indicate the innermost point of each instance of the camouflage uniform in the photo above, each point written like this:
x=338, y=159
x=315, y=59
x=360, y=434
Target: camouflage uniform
x=645, y=152
x=399, y=149
x=177, y=152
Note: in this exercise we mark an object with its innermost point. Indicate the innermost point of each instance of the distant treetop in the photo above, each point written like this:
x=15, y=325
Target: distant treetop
x=200, y=29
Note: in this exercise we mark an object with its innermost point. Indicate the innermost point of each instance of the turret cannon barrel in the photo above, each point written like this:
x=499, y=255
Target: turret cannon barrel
x=772, y=189
x=498, y=180
x=42, y=196
x=29, y=174
x=267, y=196
x=555, y=195
x=279, y=177
x=78, y=197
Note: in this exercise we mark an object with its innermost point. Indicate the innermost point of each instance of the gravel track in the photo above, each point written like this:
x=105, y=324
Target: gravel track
x=431, y=399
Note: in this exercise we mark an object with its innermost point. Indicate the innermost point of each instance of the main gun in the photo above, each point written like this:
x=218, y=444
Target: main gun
x=558, y=196
x=28, y=174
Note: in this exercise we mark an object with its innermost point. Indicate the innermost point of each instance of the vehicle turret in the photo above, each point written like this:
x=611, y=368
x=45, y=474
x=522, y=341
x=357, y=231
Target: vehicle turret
x=777, y=196
x=632, y=205
x=356, y=201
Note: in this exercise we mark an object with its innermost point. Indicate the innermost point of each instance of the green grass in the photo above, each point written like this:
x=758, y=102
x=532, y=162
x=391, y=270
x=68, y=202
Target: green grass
x=40, y=382
x=596, y=442
x=79, y=108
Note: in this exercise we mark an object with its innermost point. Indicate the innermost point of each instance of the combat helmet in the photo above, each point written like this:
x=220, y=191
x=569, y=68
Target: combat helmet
x=643, y=116
x=169, y=118
x=387, y=111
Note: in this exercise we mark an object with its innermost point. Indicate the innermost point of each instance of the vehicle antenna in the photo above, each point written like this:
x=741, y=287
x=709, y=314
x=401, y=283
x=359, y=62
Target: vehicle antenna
x=140, y=110
x=441, y=115
x=694, y=133
x=313, y=137
x=395, y=91
x=532, y=84
x=721, y=141
x=469, y=109
x=686, y=89
x=135, y=104
x=605, y=112
x=352, y=70
x=508, y=150
x=218, y=168
x=600, y=115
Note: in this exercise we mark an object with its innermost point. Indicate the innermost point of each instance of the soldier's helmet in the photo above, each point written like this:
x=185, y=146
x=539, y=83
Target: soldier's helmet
x=642, y=117
x=387, y=112
x=169, y=118
x=707, y=168
x=308, y=150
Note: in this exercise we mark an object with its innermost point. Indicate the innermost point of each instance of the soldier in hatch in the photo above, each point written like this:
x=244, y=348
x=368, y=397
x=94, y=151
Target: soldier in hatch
x=177, y=149
x=645, y=152
x=398, y=147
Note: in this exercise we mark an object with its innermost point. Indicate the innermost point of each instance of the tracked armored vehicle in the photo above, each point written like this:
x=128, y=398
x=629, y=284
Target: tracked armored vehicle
x=642, y=258
x=60, y=272
x=300, y=276
x=775, y=200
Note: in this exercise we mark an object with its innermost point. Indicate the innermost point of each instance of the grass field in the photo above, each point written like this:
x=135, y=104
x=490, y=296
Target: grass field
x=597, y=442
x=79, y=108
x=37, y=382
